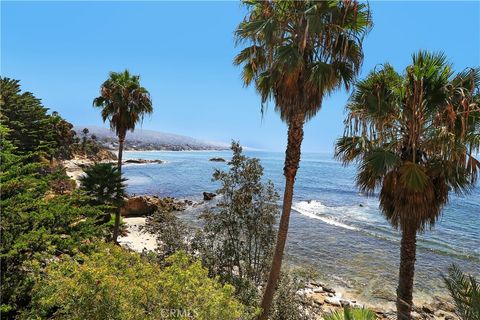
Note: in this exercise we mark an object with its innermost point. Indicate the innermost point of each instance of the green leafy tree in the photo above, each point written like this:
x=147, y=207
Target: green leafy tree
x=239, y=233
x=298, y=52
x=113, y=283
x=465, y=291
x=414, y=136
x=124, y=103
x=32, y=129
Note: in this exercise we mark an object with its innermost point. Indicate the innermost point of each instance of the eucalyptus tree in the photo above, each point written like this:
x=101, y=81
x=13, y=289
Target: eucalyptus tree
x=414, y=136
x=124, y=103
x=296, y=53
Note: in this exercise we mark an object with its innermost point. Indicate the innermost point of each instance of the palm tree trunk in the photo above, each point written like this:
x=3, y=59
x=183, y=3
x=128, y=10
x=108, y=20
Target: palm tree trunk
x=292, y=160
x=407, y=269
x=116, y=228
x=121, y=140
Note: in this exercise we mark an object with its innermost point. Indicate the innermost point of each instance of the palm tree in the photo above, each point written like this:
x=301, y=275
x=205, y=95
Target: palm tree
x=413, y=136
x=296, y=53
x=124, y=103
x=104, y=183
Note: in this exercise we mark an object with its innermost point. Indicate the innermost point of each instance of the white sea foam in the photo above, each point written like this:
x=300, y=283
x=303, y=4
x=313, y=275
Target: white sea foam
x=316, y=210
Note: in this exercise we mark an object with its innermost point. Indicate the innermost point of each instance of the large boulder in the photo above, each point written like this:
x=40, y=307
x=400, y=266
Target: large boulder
x=139, y=206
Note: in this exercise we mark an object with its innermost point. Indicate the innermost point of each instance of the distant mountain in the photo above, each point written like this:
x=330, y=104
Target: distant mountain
x=142, y=139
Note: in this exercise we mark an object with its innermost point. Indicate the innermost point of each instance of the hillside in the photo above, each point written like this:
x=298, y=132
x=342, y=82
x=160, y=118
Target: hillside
x=142, y=139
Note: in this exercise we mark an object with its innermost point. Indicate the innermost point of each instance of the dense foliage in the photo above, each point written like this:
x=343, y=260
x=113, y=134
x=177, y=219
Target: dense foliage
x=31, y=128
x=112, y=283
x=37, y=224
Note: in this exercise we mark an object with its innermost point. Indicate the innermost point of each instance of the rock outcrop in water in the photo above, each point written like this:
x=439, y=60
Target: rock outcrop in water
x=208, y=196
x=142, y=161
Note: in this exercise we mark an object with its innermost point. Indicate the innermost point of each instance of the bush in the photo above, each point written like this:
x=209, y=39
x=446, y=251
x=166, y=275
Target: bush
x=239, y=232
x=113, y=283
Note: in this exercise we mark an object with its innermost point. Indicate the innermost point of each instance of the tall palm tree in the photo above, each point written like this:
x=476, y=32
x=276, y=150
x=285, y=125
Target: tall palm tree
x=296, y=53
x=413, y=136
x=124, y=103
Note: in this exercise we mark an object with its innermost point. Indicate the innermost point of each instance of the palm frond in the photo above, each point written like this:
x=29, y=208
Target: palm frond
x=465, y=291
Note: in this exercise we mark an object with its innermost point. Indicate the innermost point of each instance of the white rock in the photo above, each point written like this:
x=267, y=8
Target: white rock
x=334, y=301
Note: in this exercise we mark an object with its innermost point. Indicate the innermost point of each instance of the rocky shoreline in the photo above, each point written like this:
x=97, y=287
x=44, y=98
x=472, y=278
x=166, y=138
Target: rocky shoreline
x=319, y=297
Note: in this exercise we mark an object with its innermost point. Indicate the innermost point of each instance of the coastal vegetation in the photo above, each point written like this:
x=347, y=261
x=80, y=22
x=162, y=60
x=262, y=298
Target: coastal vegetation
x=298, y=52
x=414, y=136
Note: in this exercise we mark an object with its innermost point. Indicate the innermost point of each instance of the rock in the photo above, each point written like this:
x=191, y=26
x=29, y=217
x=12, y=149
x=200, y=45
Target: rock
x=318, y=298
x=142, y=161
x=318, y=290
x=328, y=289
x=208, y=195
x=137, y=207
x=360, y=205
x=345, y=303
x=334, y=301
x=218, y=159
x=427, y=309
x=146, y=205
x=415, y=315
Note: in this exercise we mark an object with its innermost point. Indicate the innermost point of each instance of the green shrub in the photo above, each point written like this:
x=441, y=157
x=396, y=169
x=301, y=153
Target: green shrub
x=113, y=283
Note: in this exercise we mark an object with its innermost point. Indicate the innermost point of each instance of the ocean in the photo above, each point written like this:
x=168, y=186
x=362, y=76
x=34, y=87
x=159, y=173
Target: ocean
x=334, y=229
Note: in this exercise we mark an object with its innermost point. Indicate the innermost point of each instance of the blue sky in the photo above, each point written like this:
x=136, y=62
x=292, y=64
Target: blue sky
x=63, y=51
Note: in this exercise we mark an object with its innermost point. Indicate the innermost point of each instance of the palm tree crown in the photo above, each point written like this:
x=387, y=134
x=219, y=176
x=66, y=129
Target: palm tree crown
x=124, y=101
x=299, y=51
x=414, y=136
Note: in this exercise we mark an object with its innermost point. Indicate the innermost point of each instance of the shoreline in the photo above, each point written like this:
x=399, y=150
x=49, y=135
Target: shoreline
x=138, y=240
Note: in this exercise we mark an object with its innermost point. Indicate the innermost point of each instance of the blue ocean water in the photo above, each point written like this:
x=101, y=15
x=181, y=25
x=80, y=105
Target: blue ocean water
x=334, y=229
